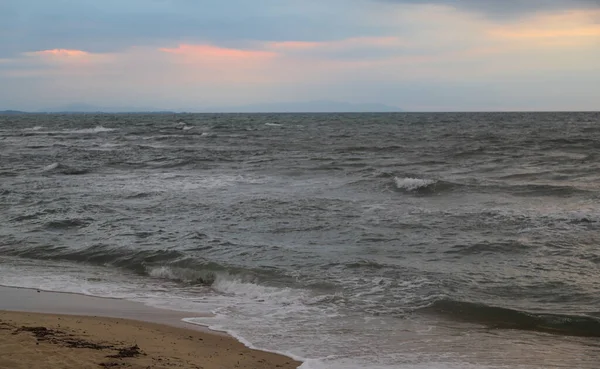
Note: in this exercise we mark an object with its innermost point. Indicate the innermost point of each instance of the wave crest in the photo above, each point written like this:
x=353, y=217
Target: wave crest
x=413, y=184
x=64, y=169
x=185, y=275
x=97, y=129
x=505, y=318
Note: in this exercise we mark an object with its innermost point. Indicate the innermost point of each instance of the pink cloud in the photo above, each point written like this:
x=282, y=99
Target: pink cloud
x=215, y=52
x=294, y=45
x=204, y=63
x=61, y=53
x=345, y=44
x=566, y=26
x=68, y=57
x=589, y=31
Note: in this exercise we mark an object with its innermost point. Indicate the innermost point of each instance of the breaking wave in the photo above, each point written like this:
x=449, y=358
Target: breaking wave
x=33, y=129
x=504, y=318
x=421, y=186
x=64, y=169
x=413, y=184
x=185, y=275
x=97, y=129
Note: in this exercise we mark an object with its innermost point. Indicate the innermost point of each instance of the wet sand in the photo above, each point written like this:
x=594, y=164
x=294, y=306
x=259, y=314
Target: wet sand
x=64, y=331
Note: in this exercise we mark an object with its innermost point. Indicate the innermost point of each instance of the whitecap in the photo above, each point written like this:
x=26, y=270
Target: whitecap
x=412, y=184
x=34, y=129
x=50, y=167
x=97, y=129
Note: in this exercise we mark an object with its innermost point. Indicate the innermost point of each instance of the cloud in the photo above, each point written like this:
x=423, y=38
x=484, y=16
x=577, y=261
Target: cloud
x=184, y=53
x=571, y=26
x=506, y=8
x=203, y=52
x=355, y=48
x=111, y=25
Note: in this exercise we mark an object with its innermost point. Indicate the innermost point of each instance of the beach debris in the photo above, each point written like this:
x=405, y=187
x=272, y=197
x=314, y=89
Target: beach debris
x=76, y=343
x=132, y=351
x=62, y=338
x=109, y=365
x=38, y=332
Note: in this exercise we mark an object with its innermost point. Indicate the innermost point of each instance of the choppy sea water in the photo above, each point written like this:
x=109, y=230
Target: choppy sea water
x=348, y=240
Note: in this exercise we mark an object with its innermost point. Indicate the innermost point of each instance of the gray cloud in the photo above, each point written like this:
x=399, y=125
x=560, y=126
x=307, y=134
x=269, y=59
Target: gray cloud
x=113, y=25
x=100, y=26
x=507, y=8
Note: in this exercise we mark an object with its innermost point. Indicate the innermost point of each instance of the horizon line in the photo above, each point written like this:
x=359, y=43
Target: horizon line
x=167, y=111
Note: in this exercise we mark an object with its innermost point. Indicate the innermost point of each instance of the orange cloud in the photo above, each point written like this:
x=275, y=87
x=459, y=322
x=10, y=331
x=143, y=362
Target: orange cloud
x=294, y=45
x=215, y=52
x=568, y=25
x=204, y=63
x=61, y=53
x=69, y=57
x=348, y=43
x=590, y=31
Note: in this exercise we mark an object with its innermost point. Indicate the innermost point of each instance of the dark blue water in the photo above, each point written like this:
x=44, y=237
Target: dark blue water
x=351, y=240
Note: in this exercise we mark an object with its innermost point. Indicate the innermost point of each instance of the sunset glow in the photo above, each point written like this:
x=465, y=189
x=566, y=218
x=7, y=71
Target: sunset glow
x=209, y=51
x=397, y=52
x=61, y=53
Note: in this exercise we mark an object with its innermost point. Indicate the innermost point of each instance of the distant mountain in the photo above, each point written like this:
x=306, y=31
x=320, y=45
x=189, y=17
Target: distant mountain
x=320, y=106
x=87, y=108
x=11, y=112
x=307, y=107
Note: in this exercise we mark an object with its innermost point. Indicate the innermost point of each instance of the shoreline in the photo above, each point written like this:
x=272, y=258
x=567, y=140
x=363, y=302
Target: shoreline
x=115, y=324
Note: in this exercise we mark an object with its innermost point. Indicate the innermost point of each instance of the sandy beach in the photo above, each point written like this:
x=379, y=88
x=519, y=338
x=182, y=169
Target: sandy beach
x=59, y=341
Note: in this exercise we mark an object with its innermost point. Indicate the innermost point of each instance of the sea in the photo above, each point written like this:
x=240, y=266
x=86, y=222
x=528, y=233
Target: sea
x=376, y=241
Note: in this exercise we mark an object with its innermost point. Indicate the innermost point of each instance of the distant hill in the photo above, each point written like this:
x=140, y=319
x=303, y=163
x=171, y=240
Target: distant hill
x=307, y=107
x=321, y=106
x=11, y=112
x=87, y=108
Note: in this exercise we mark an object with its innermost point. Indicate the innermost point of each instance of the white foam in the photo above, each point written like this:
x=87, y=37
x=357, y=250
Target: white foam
x=181, y=274
x=411, y=184
x=169, y=182
x=50, y=167
x=280, y=320
x=34, y=129
x=97, y=129
x=273, y=124
x=235, y=286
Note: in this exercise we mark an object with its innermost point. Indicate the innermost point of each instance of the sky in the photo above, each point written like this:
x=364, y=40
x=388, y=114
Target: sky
x=430, y=55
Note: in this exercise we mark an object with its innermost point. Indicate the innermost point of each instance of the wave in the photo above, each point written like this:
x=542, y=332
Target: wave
x=421, y=186
x=183, y=126
x=167, y=265
x=64, y=169
x=7, y=173
x=141, y=195
x=525, y=176
x=50, y=167
x=430, y=186
x=33, y=129
x=505, y=318
x=413, y=184
x=545, y=190
x=97, y=129
x=186, y=275
x=172, y=265
x=504, y=248
x=375, y=149
x=67, y=224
